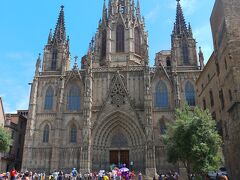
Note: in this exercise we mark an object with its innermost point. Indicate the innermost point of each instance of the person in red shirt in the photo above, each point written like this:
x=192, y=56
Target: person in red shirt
x=13, y=174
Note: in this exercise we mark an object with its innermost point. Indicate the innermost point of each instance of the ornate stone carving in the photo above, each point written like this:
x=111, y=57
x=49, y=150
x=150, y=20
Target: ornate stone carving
x=118, y=91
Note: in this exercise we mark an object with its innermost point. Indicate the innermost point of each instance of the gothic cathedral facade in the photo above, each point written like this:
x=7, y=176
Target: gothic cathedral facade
x=115, y=107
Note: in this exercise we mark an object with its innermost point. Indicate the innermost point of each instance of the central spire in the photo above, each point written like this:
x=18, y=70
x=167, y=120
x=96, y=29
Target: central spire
x=60, y=31
x=180, y=24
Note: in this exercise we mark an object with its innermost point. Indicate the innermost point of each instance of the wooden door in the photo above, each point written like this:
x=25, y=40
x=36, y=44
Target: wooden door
x=124, y=157
x=114, y=157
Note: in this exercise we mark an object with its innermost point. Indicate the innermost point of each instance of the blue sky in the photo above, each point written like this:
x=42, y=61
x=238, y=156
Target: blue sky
x=25, y=27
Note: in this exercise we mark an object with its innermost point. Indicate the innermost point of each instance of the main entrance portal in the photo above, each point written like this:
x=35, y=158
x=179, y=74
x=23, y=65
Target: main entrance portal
x=118, y=157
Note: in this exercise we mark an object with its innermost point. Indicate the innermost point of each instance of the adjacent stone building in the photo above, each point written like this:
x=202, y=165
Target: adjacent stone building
x=218, y=85
x=114, y=109
x=16, y=125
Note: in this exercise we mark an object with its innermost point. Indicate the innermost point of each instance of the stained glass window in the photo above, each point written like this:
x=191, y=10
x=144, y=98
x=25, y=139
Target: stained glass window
x=137, y=41
x=190, y=94
x=49, y=99
x=46, y=134
x=120, y=38
x=54, y=60
x=74, y=99
x=73, y=134
x=161, y=95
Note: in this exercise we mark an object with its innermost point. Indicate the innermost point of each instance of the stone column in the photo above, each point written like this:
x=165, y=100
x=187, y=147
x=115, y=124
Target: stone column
x=149, y=147
x=86, y=151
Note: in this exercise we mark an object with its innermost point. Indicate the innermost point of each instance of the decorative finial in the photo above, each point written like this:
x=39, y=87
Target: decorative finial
x=178, y=0
x=39, y=55
x=75, y=66
x=62, y=7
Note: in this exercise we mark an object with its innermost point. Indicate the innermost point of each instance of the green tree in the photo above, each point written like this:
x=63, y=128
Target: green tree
x=5, y=140
x=194, y=141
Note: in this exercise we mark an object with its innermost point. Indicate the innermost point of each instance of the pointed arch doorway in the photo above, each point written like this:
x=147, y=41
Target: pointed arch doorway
x=119, y=150
x=118, y=139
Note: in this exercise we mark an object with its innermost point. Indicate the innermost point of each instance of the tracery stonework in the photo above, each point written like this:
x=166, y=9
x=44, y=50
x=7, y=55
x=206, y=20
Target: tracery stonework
x=118, y=92
x=113, y=102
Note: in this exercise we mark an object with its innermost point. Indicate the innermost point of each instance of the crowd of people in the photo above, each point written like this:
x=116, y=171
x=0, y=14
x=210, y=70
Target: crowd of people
x=115, y=174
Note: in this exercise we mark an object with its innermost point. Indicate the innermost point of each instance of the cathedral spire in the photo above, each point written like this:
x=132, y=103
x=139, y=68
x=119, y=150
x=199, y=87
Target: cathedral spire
x=190, y=30
x=110, y=7
x=181, y=27
x=138, y=13
x=104, y=13
x=201, y=58
x=50, y=37
x=60, y=34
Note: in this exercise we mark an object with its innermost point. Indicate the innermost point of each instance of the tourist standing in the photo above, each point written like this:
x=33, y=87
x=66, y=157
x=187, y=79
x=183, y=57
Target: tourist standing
x=13, y=174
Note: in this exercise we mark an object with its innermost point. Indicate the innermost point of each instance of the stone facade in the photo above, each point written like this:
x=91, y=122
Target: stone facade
x=16, y=125
x=221, y=77
x=114, y=109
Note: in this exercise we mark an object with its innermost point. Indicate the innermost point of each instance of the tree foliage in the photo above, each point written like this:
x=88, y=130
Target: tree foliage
x=5, y=140
x=194, y=141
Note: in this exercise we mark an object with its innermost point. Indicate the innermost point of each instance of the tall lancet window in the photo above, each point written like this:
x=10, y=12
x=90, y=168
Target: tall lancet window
x=161, y=95
x=185, y=53
x=120, y=38
x=54, y=60
x=74, y=99
x=190, y=94
x=46, y=134
x=122, y=6
x=104, y=43
x=49, y=98
x=73, y=134
x=137, y=39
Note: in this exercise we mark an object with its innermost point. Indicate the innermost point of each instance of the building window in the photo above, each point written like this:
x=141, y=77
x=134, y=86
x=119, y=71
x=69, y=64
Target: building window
x=12, y=135
x=46, y=134
x=137, y=41
x=185, y=53
x=230, y=95
x=163, y=128
x=161, y=95
x=168, y=62
x=225, y=61
x=214, y=116
x=190, y=94
x=73, y=134
x=120, y=38
x=221, y=97
x=54, y=60
x=104, y=43
x=211, y=98
x=49, y=99
x=204, y=104
x=74, y=99
x=218, y=69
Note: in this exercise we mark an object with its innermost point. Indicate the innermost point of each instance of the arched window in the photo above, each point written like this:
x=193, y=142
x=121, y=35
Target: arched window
x=168, y=62
x=137, y=43
x=190, y=94
x=104, y=43
x=211, y=98
x=161, y=95
x=54, y=60
x=120, y=38
x=46, y=134
x=49, y=99
x=163, y=128
x=73, y=134
x=185, y=53
x=74, y=99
